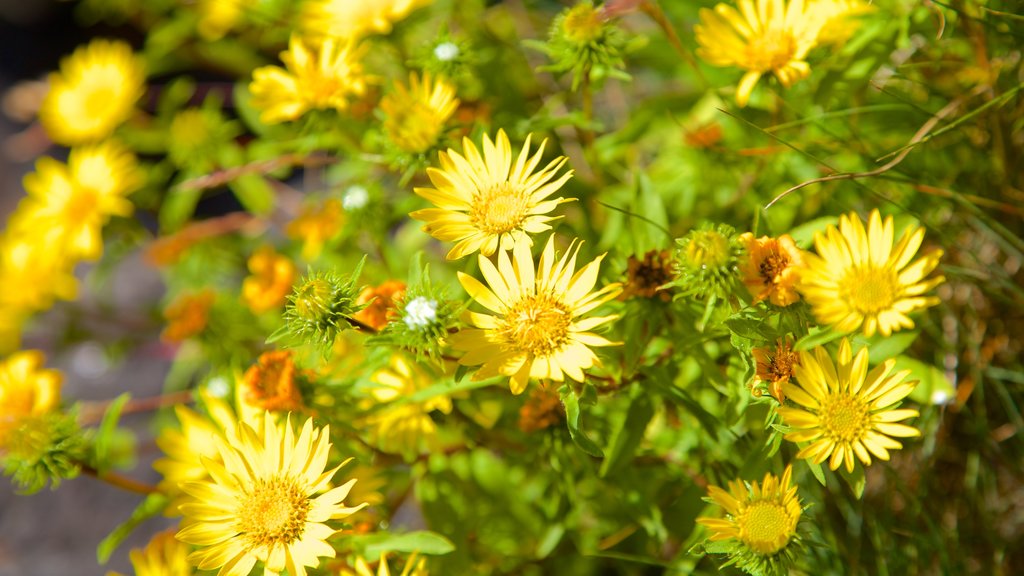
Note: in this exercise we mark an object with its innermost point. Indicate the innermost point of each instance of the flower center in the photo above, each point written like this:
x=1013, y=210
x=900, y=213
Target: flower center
x=273, y=511
x=771, y=266
x=772, y=50
x=870, y=290
x=845, y=418
x=499, y=209
x=537, y=324
x=765, y=526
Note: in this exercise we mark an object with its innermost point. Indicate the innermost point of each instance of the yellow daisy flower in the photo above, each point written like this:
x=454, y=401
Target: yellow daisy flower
x=762, y=517
x=26, y=390
x=844, y=410
x=217, y=17
x=763, y=36
x=858, y=279
x=416, y=114
x=536, y=329
x=164, y=555
x=414, y=566
x=771, y=267
x=354, y=18
x=261, y=503
x=838, y=18
x=408, y=428
x=485, y=202
x=316, y=76
x=68, y=205
x=39, y=272
x=270, y=280
x=93, y=93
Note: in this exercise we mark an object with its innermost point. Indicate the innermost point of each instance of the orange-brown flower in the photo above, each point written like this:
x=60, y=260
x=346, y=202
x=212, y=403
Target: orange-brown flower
x=187, y=315
x=543, y=409
x=703, y=136
x=270, y=280
x=270, y=383
x=770, y=269
x=775, y=367
x=315, y=226
x=382, y=303
x=645, y=277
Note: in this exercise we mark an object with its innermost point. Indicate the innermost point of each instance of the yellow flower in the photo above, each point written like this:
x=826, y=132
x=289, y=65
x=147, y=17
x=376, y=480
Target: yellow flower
x=485, y=202
x=763, y=36
x=26, y=390
x=416, y=114
x=270, y=280
x=164, y=555
x=770, y=268
x=837, y=18
x=94, y=93
x=68, y=205
x=354, y=18
x=217, y=17
x=846, y=410
x=315, y=226
x=262, y=503
x=414, y=566
x=316, y=76
x=405, y=429
x=762, y=517
x=536, y=329
x=858, y=279
x=38, y=272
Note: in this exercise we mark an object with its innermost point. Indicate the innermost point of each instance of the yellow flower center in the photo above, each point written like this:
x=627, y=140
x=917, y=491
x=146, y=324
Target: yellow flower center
x=583, y=24
x=273, y=511
x=708, y=249
x=83, y=201
x=845, y=418
x=499, y=209
x=870, y=290
x=97, y=97
x=765, y=526
x=537, y=324
x=772, y=50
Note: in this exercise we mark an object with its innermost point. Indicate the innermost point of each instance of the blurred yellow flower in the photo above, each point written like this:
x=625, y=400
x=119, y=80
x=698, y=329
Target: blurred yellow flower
x=354, y=18
x=536, y=330
x=838, y=18
x=26, y=389
x=164, y=555
x=844, y=410
x=261, y=503
x=762, y=517
x=416, y=565
x=68, y=204
x=406, y=429
x=93, y=93
x=770, y=268
x=217, y=17
x=316, y=76
x=858, y=279
x=763, y=36
x=315, y=226
x=486, y=203
x=416, y=114
x=40, y=272
x=270, y=280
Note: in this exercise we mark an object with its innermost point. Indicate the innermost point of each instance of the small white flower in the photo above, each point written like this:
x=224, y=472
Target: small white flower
x=420, y=313
x=218, y=386
x=355, y=198
x=940, y=397
x=446, y=51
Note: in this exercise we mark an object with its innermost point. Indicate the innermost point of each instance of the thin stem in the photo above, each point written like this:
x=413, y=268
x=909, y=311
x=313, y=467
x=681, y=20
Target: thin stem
x=118, y=481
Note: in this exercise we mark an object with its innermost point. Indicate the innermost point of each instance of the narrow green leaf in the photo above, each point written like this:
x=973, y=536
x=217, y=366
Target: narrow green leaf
x=627, y=437
x=423, y=541
x=817, y=338
x=153, y=504
x=572, y=413
x=105, y=433
x=254, y=193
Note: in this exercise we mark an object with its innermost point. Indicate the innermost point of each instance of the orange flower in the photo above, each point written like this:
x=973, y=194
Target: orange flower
x=645, y=277
x=543, y=409
x=775, y=367
x=383, y=301
x=315, y=226
x=270, y=280
x=770, y=269
x=270, y=383
x=187, y=316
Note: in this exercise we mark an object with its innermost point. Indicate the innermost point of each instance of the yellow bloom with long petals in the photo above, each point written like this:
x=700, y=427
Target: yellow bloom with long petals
x=407, y=428
x=762, y=517
x=354, y=18
x=845, y=410
x=838, y=18
x=763, y=36
x=164, y=555
x=26, y=390
x=93, y=93
x=316, y=76
x=39, y=272
x=68, y=204
x=858, y=279
x=416, y=114
x=486, y=202
x=536, y=329
x=268, y=501
x=416, y=565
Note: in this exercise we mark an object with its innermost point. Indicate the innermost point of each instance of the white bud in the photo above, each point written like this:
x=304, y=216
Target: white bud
x=420, y=313
x=446, y=51
x=355, y=198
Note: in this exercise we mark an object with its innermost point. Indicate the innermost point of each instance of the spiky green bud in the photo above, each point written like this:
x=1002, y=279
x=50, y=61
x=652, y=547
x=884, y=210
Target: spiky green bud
x=44, y=449
x=321, y=305
x=707, y=262
x=585, y=41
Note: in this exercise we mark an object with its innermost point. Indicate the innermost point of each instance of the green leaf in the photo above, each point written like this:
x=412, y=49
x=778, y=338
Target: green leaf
x=932, y=385
x=803, y=235
x=550, y=540
x=572, y=413
x=856, y=480
x=817, y=338
x=881, y=348
x=153, y=504
x=423, y=541
x=105, y=433
x=178, y=207
x=255, y=193
x=628, y=436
